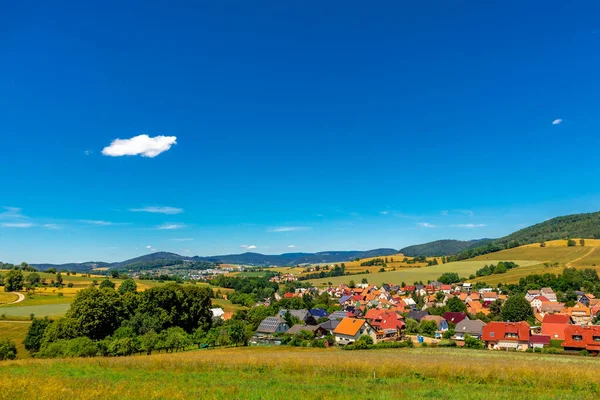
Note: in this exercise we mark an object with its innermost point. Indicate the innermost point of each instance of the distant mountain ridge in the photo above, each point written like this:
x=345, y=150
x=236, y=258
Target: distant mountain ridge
x=253, y=259
x=443, y=247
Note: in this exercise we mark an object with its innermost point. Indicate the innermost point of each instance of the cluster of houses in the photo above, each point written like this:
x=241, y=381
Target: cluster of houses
x=380, y=313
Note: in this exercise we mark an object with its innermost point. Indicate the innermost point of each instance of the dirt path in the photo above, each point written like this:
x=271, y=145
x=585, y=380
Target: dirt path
x=582, y=257
x=20, y=298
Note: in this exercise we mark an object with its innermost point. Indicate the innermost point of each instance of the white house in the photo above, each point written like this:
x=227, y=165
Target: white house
x=350, y=329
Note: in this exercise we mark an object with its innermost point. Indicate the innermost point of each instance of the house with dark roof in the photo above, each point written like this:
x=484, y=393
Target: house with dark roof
x=417, y=315
x=468, y=327
x=272, y=325
x=554, y=325
x=318, y=313
x=302, y=315
x=455, y=317
x=539, y=341
x=330, y=325
x=506, y=335
x=350, y=329
x=316, y=330
x=338, y=315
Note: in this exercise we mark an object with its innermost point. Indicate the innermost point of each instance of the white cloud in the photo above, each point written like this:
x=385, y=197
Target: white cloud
x=88, y=152
x=248, y=247
x=470, y=226
x=384, y=212
x=289, y=228
x=170, y=226
x=158, y=210
x=426, y=225
x=150, y=248
x=96, y=222
x=17, y=225
x=182, y=239
x=444, y=213
x=291, y=246
x=557, y=121
x=143, y=145
x=11, y=213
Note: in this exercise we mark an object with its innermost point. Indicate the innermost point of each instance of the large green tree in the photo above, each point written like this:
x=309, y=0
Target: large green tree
x=13, y=281
x=516, y=309
x=99, y=312
x=455, y=305
x=128, y=285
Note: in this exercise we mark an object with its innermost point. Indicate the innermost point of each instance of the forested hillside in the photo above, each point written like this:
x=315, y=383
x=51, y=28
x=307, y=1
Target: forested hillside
x=443, y=247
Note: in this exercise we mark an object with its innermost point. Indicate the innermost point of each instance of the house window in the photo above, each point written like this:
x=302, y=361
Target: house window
x=577, y=338
x=511, y=335
x=492, y=334
x=596, y=338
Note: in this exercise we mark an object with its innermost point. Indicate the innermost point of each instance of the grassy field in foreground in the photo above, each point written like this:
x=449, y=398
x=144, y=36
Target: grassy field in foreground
x=16, y=332
x=7, y=297
x=410, y=275
x=297, y=373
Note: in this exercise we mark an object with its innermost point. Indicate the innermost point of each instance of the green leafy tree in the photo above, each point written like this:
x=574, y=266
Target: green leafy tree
x=351, y=284
x=128, y=285
x=449, y=278
x=99, y=312
x=582, y=242
x=107, y=284
x=59, y=279
x=472, y=343
x=8, y=349
x=237, y=332
x=455, y=305
x=33, y=278
x=516, y=309
x=13, y=281
x=543, y=244
x=35, y=334
x=495, y=307
x=571, y=243
x=428, y=327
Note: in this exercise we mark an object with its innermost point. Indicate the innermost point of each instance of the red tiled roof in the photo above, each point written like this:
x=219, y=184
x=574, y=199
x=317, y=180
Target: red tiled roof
x=495, y=331
x=556, y=319
x=587, y=334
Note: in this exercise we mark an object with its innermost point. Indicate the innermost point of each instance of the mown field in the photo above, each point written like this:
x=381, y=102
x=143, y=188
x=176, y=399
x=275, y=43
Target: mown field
x=410, y=275
x=6, y=298
x=300, y=373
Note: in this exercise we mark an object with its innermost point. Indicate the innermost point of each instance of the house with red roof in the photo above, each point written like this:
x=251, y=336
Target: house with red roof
x=455, y=317
x=506, y=335
x=537, y=302
x=578, y=337
x=554, y=325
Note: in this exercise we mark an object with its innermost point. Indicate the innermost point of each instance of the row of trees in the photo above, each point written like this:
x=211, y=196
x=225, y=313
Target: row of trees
x=500, y=268
x=105, y=315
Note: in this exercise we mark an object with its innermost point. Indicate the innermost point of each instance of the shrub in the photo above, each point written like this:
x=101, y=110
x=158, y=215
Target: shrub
x=472, y=343
x=428, y=327
x=447, y=343
x=8, y=349
x=81, y=347
x=584, y=352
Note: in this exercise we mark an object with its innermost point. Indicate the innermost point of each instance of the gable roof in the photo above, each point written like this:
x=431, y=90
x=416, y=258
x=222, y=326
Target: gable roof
x=270, y=325
x=349, y=326
x=557, y=319
x=587, y=334
x=539, y=339
x=436, y=318
x=330, y=325
x=495, y=331
x=417, y=315
x=455, y=317
x=471, y=327
x=338, y=315
x=318, y=312
x=299, y=327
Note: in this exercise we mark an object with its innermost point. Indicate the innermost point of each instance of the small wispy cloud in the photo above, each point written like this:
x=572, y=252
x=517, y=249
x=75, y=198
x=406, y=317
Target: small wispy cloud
x=182, y=239
x=52, y=226
x=11, y=213
x=444, y=213
x=150, y=248
x=170, y=226
x=557, y=121
x=470, y=226
x=405, y=216
x=248, y=246
x=426, y=225
x=468, y=213
x=88, y=152
x=158, y=210
x=143, y=145
x=17, y=225
x=291, y=246
x=289, y=228
x=384, y=212
x=96, y=222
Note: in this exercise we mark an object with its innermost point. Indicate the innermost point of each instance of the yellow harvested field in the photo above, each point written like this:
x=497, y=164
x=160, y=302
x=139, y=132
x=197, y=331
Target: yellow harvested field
x=15, y=331
x=7, y=297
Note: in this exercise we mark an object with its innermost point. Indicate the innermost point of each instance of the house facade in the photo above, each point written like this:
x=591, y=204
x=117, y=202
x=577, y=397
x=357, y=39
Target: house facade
x=506, y=336
x=350, y=329
x=579, y=338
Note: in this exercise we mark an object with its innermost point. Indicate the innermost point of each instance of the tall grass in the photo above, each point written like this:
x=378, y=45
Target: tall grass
x=297, y=373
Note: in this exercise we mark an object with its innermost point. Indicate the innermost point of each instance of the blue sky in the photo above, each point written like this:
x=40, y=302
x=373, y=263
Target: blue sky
x=276, y=127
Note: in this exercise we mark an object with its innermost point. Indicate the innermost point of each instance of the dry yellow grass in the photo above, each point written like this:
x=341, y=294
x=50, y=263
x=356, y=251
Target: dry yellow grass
x=7, y=297
x=297, y=373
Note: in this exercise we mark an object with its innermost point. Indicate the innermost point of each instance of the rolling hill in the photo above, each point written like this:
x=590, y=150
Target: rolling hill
x=570, y=226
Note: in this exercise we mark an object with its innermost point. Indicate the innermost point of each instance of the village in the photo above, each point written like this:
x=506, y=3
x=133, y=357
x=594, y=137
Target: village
x=390, y=313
